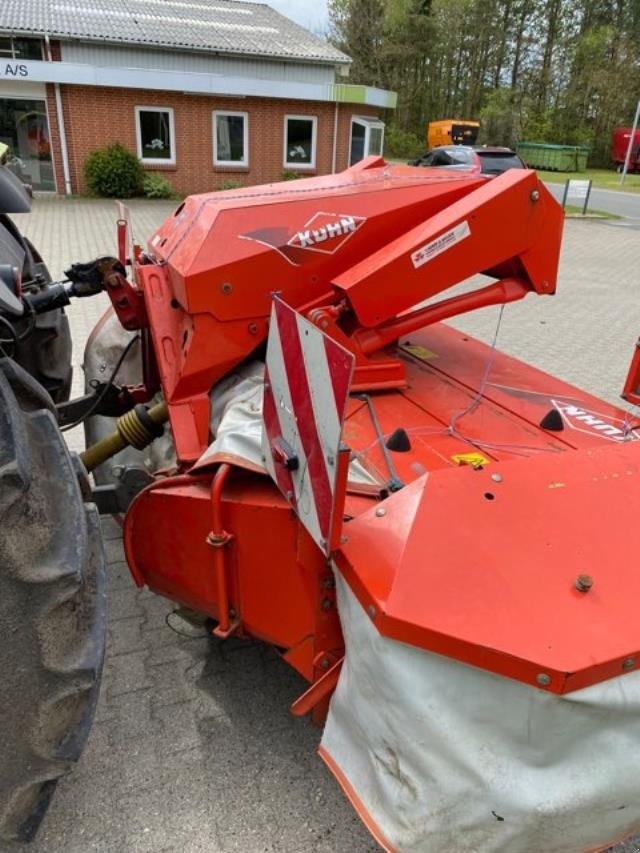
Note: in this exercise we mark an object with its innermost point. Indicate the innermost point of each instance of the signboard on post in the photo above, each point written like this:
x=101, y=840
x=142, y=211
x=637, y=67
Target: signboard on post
x=578, y=190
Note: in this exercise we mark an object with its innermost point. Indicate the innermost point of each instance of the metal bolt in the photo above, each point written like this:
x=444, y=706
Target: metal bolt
x=584, y=583
x=324, y=324
x=327, y=604
x=381, y=511
x=535, y=195
x=330, y=460
x=226, y=288
x=543, y=678
x=344, y=540
x=328, y=583
x=628, y=663
x=372, y=611
x=497, y=478
x=253, y=328
x=232, y=613
x=324, y=664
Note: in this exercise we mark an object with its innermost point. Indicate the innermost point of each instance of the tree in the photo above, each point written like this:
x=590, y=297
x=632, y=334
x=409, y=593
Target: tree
x=357, y=27
x=564, y=71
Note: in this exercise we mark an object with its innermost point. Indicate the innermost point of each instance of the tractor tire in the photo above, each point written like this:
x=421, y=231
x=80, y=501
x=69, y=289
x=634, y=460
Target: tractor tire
x=52, y=605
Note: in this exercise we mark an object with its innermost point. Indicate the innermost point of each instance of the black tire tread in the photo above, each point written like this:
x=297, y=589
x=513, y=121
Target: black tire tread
x=52, y=605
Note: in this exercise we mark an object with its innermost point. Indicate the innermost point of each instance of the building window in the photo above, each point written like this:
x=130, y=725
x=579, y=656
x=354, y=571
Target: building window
x=155, y=135
x=24, y=127
x=230, y=139
x=21, y=48
x=300, y=141
x=367, y=137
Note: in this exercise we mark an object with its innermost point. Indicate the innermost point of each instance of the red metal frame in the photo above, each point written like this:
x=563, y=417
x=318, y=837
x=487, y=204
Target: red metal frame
x=127, y=300
x=122, y=228
x=207, y=314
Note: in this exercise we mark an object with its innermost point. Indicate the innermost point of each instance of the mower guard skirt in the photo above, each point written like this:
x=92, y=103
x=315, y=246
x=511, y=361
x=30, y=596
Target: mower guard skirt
x=438, y=756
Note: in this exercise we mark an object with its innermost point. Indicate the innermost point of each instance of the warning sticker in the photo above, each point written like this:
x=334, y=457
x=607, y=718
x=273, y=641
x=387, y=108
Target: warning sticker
x=419, y=352
x=476, y=460
x=436, y=247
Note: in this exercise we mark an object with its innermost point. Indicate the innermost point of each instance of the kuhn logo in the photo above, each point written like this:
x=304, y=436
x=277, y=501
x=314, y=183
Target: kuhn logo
x=583, y=420
x=326, y=232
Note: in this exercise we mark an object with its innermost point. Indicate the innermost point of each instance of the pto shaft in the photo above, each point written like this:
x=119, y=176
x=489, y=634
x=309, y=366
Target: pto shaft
x=137, y=428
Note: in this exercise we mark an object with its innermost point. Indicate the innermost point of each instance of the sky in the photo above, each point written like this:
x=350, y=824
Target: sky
x=311, y=14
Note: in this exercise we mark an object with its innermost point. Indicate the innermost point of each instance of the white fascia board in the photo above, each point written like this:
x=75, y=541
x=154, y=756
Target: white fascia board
x=174, y=81
x=167, y=81
x=380, y=98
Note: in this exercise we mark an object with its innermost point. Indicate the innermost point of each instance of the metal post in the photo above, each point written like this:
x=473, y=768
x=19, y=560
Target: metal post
x=564, y=197
x=630, y=146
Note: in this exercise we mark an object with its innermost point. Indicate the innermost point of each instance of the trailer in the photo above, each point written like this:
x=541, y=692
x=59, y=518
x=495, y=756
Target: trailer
x=620, y=145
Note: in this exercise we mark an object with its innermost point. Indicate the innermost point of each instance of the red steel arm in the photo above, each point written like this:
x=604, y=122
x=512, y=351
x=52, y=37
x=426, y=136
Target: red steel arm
x=506, y=290
x=510, y=227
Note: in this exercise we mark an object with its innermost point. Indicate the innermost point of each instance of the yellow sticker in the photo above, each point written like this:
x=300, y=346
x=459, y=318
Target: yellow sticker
x=422, y=353
x=476, y=460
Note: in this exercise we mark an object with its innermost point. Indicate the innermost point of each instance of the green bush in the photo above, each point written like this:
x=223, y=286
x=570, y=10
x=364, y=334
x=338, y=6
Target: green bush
x=230, y=184
x=155, y=186
x=290, y=176
x=402, y=144
x=113, y=172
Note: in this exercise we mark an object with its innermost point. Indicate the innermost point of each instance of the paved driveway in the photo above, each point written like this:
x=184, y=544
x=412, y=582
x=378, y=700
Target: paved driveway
x=611, y=201
x=193, y=748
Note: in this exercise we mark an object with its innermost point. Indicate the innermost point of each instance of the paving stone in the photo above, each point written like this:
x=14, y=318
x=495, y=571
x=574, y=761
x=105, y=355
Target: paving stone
x=127, y=673
x=125, y=636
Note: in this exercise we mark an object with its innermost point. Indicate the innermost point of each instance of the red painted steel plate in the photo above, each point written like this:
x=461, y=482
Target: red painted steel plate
x=481, y=565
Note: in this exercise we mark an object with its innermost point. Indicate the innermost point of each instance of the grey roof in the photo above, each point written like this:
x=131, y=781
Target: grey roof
x=220, y=26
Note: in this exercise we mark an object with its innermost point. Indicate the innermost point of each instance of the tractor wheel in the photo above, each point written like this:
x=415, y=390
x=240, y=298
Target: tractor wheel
x=52, y=605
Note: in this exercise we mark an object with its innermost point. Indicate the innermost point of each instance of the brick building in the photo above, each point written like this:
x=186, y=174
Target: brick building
x=204, y=91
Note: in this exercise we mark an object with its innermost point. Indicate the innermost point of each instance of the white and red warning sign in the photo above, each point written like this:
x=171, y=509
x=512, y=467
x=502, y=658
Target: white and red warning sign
x=307, y=379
